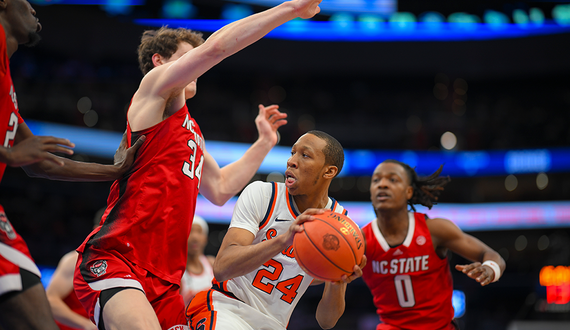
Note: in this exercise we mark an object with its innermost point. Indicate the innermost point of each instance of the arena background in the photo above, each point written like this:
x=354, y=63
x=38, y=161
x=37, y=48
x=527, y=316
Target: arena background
x=400, y=92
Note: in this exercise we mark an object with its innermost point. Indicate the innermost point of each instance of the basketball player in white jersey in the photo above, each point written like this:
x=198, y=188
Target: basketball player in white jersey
x=257, y=279
x=199, y=272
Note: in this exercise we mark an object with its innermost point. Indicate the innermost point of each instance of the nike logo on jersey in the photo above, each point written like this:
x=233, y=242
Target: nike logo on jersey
x=279, y=220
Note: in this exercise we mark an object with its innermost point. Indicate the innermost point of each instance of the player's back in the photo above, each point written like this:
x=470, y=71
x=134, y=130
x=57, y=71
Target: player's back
x=410, y=283
x=149, y=209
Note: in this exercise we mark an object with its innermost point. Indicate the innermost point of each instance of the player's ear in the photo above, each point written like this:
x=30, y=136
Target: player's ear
x=157, y=59
x=330, y=172
x=409, y=192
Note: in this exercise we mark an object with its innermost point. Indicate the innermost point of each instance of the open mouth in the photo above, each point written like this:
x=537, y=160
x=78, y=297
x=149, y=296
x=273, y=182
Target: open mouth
x=289, y=178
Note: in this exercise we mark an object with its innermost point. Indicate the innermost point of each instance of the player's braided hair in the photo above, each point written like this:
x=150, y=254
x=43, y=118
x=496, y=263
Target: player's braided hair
x=164, y=41
x=426, y=189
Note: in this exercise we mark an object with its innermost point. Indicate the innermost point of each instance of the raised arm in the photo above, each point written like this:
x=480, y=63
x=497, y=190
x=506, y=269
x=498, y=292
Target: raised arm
x=447, y=235
x=224, y=43
x=61, y=286
x=219, y=185
x=43, y=164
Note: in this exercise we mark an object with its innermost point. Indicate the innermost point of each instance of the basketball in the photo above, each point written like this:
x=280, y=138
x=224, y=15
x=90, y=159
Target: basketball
x=329, y=246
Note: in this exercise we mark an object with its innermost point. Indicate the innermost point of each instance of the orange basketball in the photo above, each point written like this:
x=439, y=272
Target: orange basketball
x=329, y=246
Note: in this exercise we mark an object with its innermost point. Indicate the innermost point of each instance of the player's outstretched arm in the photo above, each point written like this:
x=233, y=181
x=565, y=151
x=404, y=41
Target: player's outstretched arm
x=59, y=168
x=61, y=286
x=219, y=185
x=238, y=256
x=488, y=265
x=331, y=306
x=226, y=42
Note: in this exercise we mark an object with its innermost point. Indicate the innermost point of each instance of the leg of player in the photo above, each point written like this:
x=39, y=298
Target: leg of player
x=129, y=309
x=26, y=310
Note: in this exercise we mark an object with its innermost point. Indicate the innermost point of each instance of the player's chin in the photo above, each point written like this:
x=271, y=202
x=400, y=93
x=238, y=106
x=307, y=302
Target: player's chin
x=33, y=39
x=190, y=91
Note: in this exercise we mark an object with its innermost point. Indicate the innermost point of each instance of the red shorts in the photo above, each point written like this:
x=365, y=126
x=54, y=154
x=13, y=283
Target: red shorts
x=14, y=255
x=99, y=270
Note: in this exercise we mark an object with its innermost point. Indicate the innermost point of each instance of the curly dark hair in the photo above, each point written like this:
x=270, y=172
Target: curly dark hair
x=426, y=189
x=334, y=153
x=164, y=41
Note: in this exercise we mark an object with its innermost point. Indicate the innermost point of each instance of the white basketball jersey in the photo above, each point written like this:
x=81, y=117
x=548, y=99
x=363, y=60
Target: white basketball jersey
x=190, y=284
x=267, y=210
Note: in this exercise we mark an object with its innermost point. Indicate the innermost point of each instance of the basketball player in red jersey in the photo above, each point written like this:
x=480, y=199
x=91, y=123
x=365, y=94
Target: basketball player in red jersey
x=408, y=273
x=23, y=302
x=258, y=281
x=129, y=269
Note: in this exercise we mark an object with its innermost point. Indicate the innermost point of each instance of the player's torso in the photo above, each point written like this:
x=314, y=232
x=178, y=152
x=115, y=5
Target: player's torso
x=149, y=212
x=193, y=283
x=411, y=285
x=276, y=286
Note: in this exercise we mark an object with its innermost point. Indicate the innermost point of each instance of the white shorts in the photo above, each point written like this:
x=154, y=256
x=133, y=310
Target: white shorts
x=214, y=310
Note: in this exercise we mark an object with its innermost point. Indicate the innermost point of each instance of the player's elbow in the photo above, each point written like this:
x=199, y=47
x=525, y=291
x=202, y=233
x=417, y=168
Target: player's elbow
x=215, y=49
x=327, y=323
x=220, y=273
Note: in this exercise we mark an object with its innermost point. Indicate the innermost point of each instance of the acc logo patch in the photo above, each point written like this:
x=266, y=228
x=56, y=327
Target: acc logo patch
x=421, y=240
x=331, y=242
x=6, y=226
x=99, y=267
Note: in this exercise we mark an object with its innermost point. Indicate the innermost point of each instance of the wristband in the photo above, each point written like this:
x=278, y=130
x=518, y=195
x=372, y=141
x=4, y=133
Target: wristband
x=495, y=267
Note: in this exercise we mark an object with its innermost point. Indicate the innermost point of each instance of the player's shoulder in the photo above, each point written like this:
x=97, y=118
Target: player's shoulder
x=441, y=227
x=259, y=187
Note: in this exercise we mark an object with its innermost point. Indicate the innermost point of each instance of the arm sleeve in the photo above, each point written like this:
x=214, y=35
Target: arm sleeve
x=250, y=207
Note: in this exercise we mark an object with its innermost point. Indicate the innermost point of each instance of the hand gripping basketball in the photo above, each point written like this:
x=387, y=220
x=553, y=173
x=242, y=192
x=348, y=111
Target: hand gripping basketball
x=329, y=247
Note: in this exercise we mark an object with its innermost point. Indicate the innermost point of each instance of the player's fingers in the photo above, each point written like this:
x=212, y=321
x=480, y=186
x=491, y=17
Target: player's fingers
x=139, y=142
x=460, y=267
x=58, y=148
x=54, y=140
x=279, y=123
x=363, y=262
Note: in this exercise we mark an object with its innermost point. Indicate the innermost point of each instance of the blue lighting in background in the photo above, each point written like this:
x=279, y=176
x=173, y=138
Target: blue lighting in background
x=458, y=302
x=178, y=9
x=357, y=162
x=116, y=3
x=234, y=12
x=401, y=28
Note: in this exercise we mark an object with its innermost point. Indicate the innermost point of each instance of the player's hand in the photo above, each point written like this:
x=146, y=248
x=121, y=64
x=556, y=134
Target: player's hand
x=480, y=273
x=268, y=121
x=357, y=272
x=124, y=158
x=37, y=148
x=296, y=226
x=307, y=8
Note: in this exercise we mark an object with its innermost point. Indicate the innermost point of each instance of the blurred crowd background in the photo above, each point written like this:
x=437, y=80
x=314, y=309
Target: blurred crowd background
x=496, y=94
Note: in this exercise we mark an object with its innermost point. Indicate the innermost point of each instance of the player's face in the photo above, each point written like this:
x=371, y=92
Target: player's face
x=23, y=22
x=197, y=240
x=390, y=187
x=306, y=166
x=183, y=48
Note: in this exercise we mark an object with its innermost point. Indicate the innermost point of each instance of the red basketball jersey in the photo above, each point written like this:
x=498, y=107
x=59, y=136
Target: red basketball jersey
x=410, y=283
x=9, y=115
x=150, y=209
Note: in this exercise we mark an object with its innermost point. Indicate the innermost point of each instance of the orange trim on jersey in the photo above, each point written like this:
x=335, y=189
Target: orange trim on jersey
x=289, y=206
x=270, y=207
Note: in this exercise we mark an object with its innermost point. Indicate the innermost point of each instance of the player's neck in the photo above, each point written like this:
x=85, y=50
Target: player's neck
x=194, y=265
x=11, y=43
x=392, y=222
x=304, y=202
